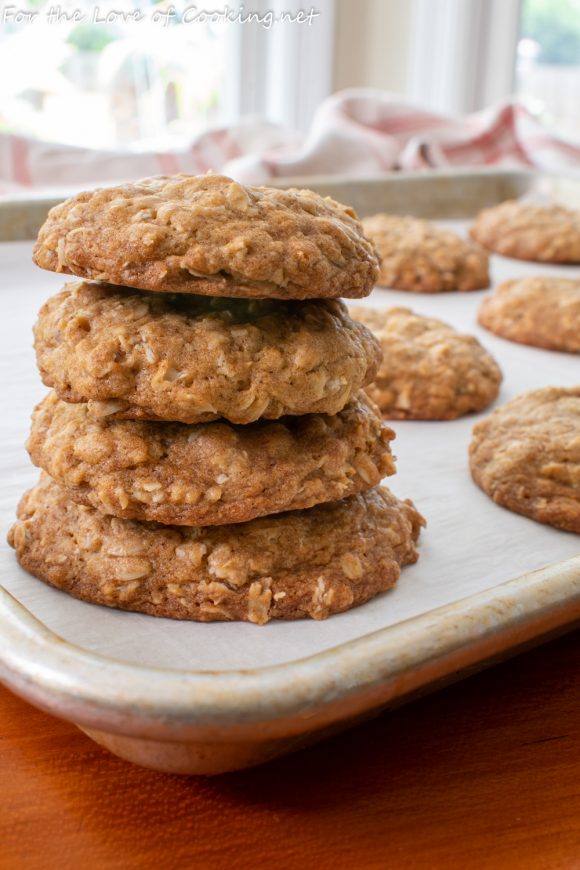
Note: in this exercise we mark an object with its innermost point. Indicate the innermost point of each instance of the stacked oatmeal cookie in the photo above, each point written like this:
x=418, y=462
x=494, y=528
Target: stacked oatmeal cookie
x=208, y=452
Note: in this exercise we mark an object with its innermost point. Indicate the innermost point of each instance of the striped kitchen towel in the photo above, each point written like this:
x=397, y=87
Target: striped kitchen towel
x=357, y=132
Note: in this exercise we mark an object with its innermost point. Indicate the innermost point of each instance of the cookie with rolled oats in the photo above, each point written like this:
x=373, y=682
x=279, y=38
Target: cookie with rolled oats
x=526, y=456
x=210, y=473
x=530, y=231
x=139, y=355
x=210, y=235
x=304, y=563
x=539, y=311
x=429, y=371
x=416, y=255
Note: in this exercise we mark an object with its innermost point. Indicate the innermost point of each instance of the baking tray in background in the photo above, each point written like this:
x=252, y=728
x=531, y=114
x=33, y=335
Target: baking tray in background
x=207, y=698
x=433, y=194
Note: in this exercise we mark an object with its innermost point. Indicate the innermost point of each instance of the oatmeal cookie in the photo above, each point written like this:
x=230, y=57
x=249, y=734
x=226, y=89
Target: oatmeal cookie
x=429, y=371
x=305, y=563
x=526, y=231
x=210, y=235
x=543, y=312
x=191, y=359
x=526, y=456
x=417, y=255
x=210, y=473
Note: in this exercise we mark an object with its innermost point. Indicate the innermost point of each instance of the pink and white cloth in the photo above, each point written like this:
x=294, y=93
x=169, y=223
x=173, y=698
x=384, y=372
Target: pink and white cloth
x=355, y=132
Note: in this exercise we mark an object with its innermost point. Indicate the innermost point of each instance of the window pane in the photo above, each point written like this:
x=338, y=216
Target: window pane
x=105, y=81
x=548, y=61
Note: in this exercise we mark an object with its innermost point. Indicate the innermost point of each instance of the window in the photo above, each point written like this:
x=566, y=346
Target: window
x=152, y=75
x=548, y=62
x=108, y=81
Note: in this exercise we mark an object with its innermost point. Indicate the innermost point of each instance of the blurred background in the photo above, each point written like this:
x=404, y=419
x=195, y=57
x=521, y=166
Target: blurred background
x=90, y=75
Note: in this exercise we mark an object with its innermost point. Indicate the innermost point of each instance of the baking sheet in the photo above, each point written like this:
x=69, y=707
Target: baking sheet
x=470, y=544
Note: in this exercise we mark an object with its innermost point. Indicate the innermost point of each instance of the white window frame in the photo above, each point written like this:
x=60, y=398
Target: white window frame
x=462, y=53
x=282, y=73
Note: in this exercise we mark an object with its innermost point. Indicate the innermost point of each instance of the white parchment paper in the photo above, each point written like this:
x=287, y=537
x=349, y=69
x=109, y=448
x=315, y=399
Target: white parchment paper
x=470, y=543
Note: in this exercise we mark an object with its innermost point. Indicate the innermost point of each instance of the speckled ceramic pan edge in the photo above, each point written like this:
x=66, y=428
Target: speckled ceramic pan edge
x=210, y=722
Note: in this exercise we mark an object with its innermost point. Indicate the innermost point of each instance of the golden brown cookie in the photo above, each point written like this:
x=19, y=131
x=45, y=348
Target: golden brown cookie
x=210, y=235
x=527, y=231
x=526, y=456
x=429, y=371
x=304, y=563
x=210, y=473
x=543, y=312
x=417, y=255
x=192, y=359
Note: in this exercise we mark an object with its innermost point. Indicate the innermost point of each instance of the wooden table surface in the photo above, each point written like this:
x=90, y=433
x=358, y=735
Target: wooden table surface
x=484, y=774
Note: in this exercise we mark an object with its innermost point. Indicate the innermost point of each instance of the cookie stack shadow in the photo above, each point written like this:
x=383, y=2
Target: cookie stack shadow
x=207, y=450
